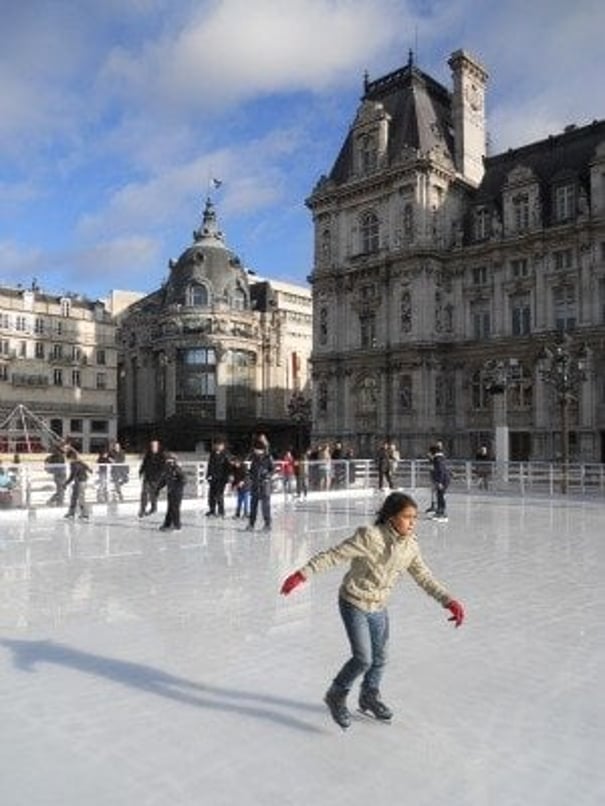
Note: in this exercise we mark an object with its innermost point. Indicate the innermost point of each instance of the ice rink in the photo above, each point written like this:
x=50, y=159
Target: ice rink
x=141, y=668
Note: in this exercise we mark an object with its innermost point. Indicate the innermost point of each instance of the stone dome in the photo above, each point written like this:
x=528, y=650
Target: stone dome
x=208, y=273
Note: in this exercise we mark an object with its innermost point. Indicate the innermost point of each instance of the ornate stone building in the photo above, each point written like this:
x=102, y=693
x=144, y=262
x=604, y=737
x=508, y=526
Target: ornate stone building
x=215, y=351
x=434, y=262
x=58, y=357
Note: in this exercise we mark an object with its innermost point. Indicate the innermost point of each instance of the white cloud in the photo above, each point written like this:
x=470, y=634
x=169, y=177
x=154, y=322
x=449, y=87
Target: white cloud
x=236, y=49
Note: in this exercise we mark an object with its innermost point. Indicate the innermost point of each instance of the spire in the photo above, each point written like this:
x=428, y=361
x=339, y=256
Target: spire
x=366, y=80
x=410, y=58
x=209, y=229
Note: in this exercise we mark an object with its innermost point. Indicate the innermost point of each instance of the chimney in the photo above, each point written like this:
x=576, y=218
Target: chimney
x=468, y=115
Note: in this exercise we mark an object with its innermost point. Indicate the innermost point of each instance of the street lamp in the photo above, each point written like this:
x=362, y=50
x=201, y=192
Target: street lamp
x=299, y=411
x=565, y=372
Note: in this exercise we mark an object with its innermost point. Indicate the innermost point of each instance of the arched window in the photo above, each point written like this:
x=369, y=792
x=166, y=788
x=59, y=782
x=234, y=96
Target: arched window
x=370, y=233
x=198, y=296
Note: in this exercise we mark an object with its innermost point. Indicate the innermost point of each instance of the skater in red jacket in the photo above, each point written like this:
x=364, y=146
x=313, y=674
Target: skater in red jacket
x=378, y=555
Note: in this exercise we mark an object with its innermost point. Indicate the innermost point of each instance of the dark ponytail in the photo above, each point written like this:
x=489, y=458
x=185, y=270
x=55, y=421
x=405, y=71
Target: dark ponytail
x=393, y=504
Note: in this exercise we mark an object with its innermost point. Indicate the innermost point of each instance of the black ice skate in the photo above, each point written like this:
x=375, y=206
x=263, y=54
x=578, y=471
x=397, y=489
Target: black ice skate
x=369, y=700
x=336, y=700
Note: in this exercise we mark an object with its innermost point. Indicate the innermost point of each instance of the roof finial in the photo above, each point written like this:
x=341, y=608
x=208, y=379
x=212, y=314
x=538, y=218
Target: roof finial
x=410, y=58
x=366, y=80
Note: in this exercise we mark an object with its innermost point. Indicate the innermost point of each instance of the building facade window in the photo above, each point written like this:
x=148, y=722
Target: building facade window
x=101, y=380
x=564, y=303
x=368, y=152
x=479, y=275
x=65, y=307
x=521, y=212
x=21, y=323
x=76, y=378
x=101, y=357
x=563, y=259
x=4, y=347
x=22, y=349
x=57, y=351
x=520, y=307
x=99, y=426
x=198, y=296
x=367, y=330
x=39, y=350
x=39, y=325
x=196, y=374
x=3, y=372
x=58, y=377
x=520, y=393
x=76, y=426
x=479, y=395
x=481, y=321
x=481, y=224
x=564, y=202
x=370, y=233
x=519, y=268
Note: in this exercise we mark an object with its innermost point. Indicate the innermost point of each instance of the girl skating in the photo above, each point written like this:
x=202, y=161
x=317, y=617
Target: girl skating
x=378, y=555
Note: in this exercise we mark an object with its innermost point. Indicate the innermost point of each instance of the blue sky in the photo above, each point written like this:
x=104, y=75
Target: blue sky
x=115, y=113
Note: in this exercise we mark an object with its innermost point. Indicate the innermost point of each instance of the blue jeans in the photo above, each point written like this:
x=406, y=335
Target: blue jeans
x=368, y=635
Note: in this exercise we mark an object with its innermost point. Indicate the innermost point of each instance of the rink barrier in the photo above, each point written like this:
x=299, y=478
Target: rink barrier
x=33, y=485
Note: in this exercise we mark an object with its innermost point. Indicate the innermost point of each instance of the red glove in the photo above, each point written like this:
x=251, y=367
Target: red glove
x=457, y=612
x=291, y=582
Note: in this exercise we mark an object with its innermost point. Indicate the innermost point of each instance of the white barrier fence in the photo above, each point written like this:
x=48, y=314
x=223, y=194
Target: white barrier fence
x=31, y=485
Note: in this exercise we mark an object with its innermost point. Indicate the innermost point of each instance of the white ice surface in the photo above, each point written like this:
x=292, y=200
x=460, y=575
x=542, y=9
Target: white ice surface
x=146, y=669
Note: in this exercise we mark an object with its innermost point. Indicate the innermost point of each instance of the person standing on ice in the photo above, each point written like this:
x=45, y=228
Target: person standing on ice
x=78, y=476
x=378, y=554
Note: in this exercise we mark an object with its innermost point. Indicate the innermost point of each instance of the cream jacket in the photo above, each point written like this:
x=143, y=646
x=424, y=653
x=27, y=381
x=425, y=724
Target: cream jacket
x=378, y=555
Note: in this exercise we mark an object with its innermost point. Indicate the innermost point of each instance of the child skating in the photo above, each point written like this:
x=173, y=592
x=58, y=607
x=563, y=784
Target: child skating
x=378, y=554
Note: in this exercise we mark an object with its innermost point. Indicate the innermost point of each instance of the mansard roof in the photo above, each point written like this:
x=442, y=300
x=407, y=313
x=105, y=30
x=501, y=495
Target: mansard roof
x=420, y=117
x=555, y=159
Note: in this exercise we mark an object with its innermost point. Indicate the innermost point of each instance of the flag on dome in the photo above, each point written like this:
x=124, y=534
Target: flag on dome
x=216, y=183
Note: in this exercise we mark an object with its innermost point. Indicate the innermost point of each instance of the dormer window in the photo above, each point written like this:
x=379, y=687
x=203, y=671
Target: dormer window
x=564, y=202
x=65, y=307
x=368, y=152
x=481, y=224
x=521, y=212
x=198, y=296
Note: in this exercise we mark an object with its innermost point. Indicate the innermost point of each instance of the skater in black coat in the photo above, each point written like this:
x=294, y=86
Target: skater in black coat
x=261, y=482
x=173, y=478
x=378, y=555
x=78, y=476
x=217, y=475
x=150, y=473
x=440, y=476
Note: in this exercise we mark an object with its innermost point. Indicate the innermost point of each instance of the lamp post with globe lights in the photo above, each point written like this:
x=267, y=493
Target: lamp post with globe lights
x=564, y=372
x=299, y=411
